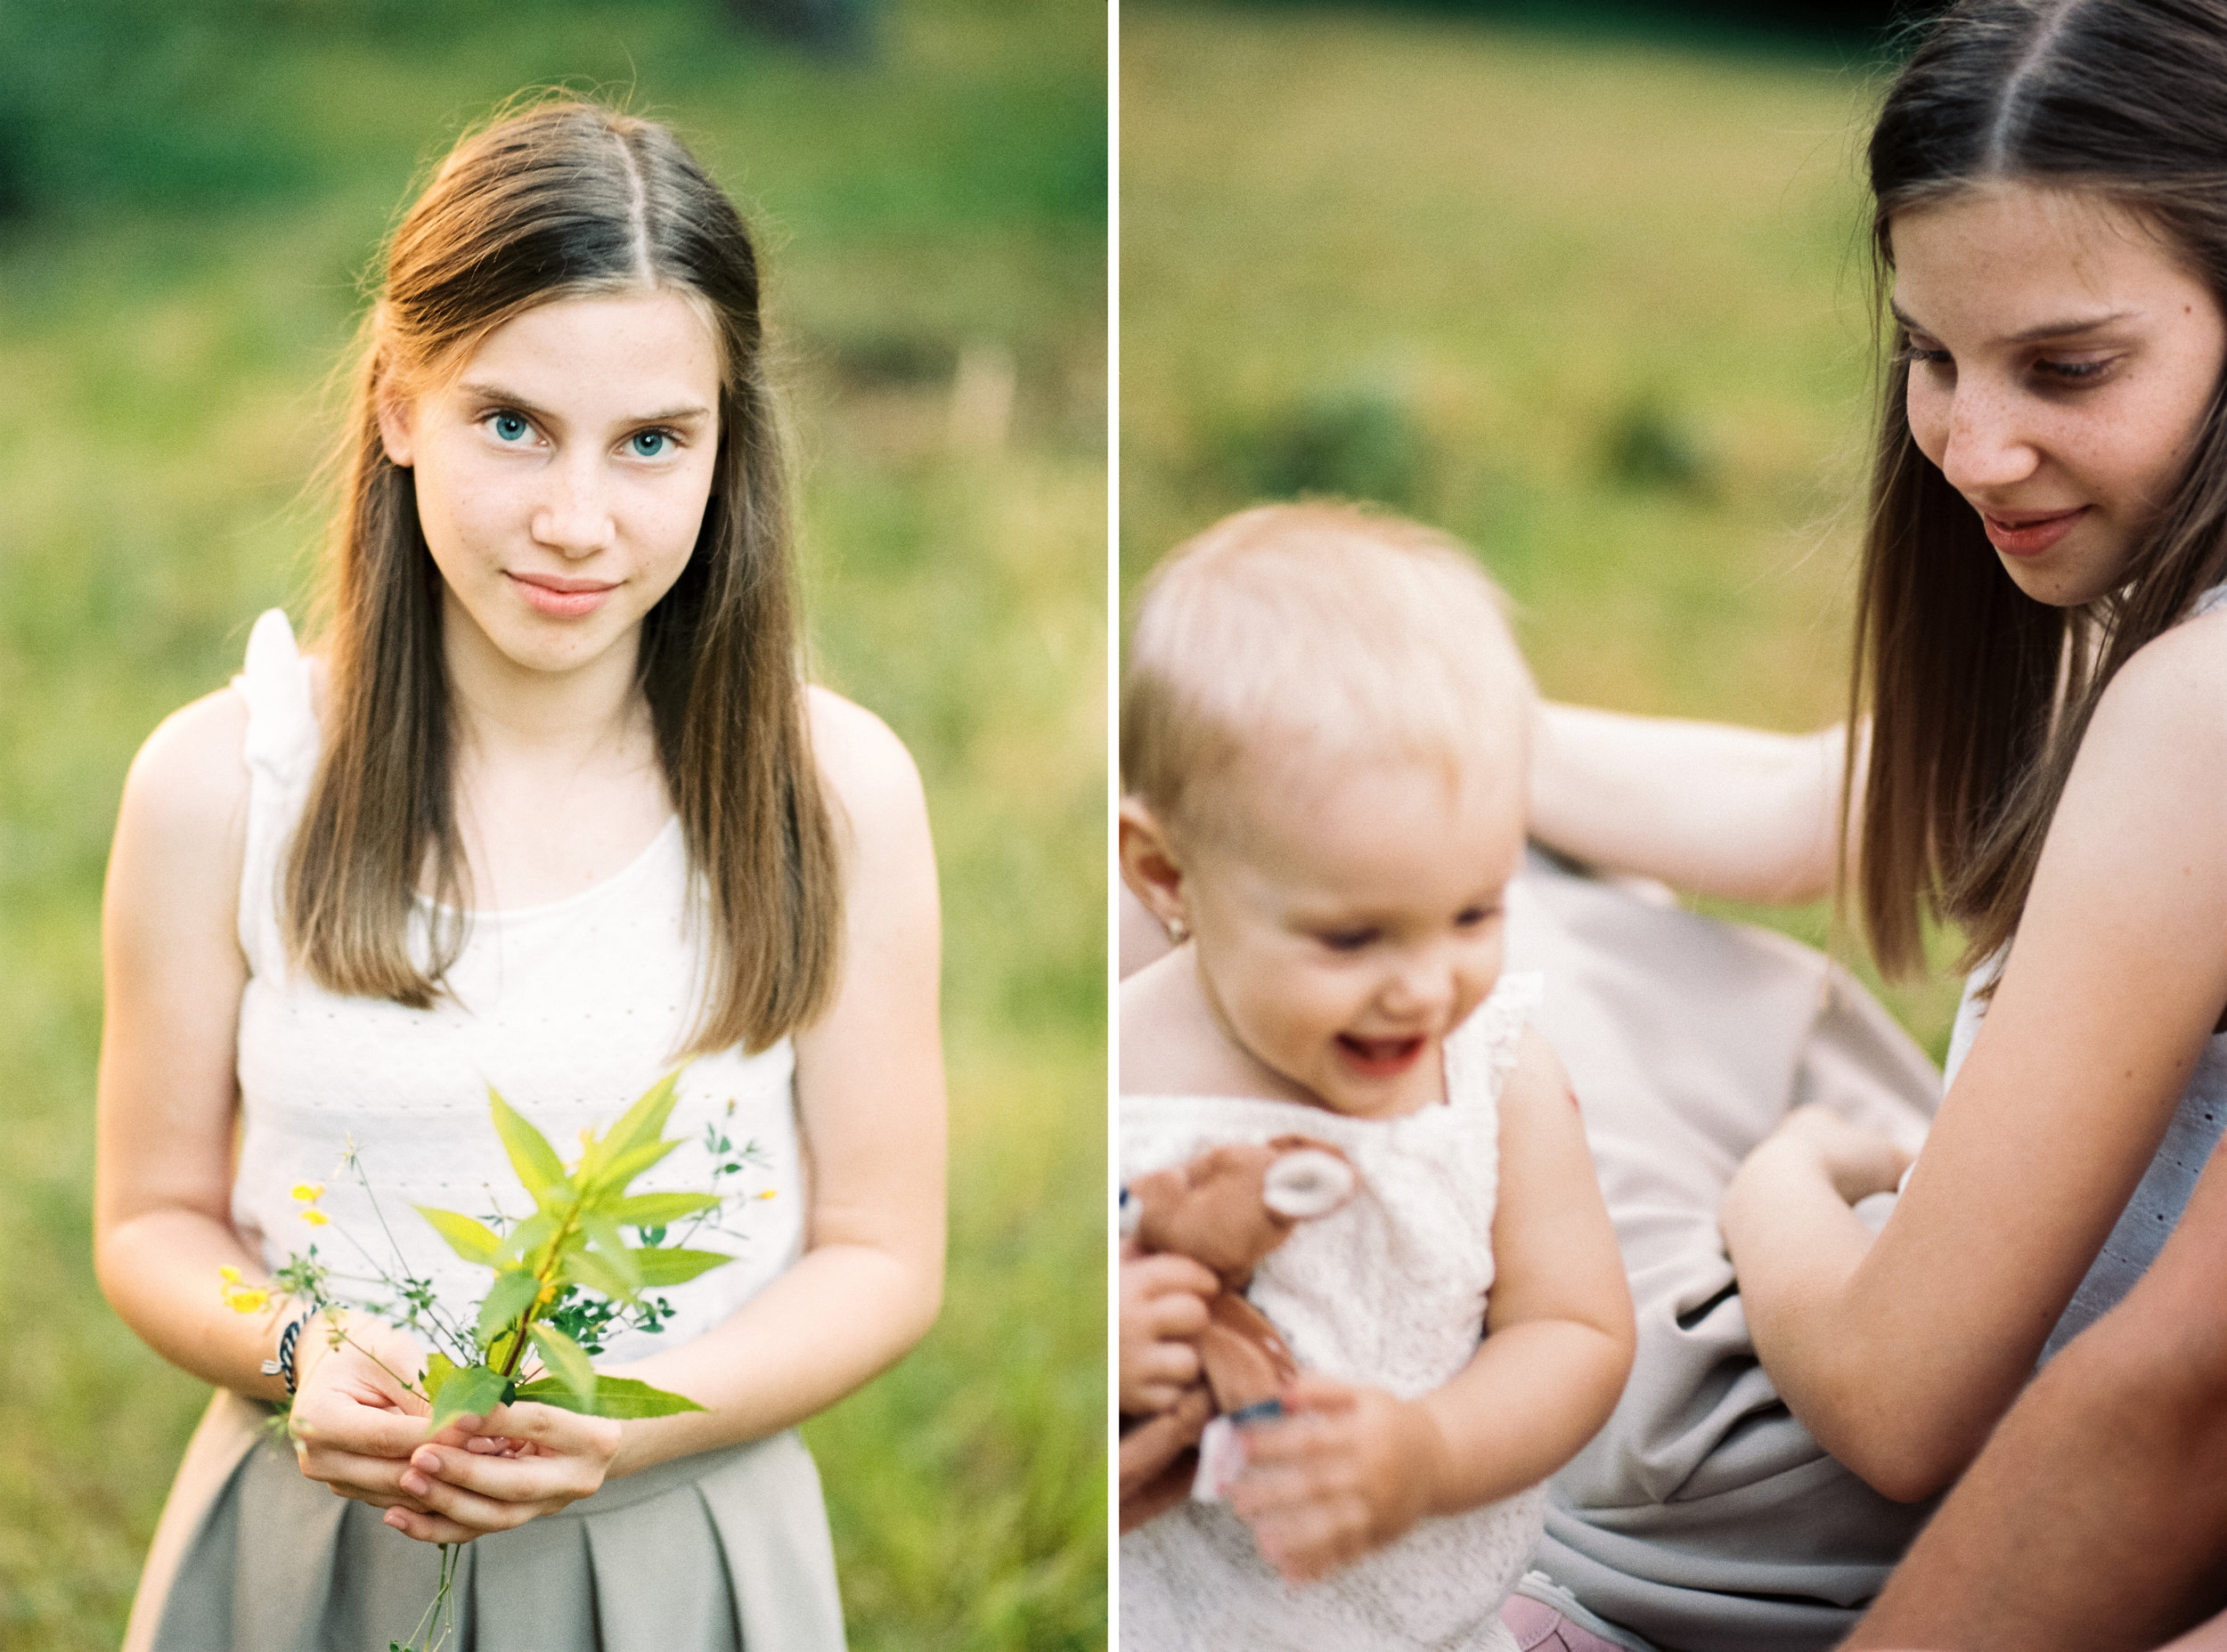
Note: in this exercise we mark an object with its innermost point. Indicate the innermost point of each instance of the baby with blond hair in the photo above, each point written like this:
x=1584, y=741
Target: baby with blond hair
x=1323, y=748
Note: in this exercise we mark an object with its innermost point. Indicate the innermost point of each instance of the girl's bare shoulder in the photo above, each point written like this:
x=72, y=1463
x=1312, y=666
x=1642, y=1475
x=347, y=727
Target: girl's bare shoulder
x=188, y=787
x=2169, y=702
x=865, y=767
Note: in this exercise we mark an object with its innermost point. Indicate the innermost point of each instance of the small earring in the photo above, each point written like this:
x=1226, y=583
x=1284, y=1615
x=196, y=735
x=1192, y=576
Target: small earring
x=1178, y=931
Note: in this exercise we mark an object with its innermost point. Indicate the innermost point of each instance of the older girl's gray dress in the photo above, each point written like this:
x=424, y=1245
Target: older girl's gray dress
x=570, y=1010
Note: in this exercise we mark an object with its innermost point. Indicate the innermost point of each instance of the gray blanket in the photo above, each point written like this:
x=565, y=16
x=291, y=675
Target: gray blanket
x=1704, y=1518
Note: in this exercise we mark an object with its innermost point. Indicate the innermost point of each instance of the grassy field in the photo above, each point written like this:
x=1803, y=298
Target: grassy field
x=169, y=312
x=1598, y=305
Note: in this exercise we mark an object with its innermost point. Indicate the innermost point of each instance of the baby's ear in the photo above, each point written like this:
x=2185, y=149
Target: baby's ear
x=1150, y=868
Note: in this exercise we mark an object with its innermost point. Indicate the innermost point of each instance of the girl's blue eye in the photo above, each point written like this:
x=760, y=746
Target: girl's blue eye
x=649, y=443
x=508, y=428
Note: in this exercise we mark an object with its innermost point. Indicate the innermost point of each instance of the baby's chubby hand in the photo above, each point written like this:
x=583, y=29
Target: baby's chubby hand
x=1164, y=1309
x=1346, y=1471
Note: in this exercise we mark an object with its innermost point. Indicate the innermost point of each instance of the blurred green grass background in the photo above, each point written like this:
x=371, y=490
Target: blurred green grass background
x=189, y=192
x=1593, y=298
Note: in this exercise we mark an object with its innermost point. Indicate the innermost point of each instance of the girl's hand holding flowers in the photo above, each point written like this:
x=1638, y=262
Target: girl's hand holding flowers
x=356, y=1418
x=494, y=1474
x=1348, y=1470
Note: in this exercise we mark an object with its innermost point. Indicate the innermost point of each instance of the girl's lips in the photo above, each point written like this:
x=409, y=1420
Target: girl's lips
x=562, y=600
x=2030, y=536
x=1380, y=1058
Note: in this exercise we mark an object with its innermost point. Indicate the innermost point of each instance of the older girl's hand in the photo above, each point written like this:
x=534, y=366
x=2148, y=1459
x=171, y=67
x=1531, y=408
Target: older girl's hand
x=355, y=1420
x=1164, y=1309
x=1857, y=1162
x=494, y=1474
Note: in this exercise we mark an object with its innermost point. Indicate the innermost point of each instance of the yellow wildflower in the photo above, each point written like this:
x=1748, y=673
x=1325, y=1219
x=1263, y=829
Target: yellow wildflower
x=239, y=1296
x=315, y=1218
x=309, y=1193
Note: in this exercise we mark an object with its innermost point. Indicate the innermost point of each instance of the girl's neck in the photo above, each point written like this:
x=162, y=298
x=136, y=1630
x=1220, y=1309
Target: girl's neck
x=509, y=715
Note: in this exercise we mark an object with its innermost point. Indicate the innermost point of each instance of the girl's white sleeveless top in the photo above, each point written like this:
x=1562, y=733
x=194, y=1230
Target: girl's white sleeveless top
x=571, y=1010
x=2154, y=1210
x=1390, y=1291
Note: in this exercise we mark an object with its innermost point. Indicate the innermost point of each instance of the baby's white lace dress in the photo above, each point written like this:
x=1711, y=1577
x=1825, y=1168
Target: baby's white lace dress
x=1389, y=1292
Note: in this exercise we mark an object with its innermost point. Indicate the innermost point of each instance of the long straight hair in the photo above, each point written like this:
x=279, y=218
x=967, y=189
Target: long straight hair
x=569, y=199
x=1979, y=695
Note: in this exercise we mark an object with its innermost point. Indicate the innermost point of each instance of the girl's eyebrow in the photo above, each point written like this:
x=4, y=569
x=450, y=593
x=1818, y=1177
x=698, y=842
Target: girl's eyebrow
x=2032, y=335
x=497, y=393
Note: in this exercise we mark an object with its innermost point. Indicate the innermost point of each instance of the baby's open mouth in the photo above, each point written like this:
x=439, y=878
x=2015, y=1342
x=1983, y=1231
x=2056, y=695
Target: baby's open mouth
x=1380, y=1056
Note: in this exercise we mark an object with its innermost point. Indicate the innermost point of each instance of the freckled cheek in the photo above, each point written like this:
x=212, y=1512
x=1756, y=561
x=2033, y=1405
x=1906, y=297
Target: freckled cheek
x=1927, y=411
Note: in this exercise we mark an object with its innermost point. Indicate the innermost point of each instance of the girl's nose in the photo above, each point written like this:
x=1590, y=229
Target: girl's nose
x=1987, y=446
x=573, y=517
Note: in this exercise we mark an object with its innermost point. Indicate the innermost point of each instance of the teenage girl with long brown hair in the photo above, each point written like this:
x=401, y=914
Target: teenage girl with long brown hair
x=2041, y=697
x=550, y=806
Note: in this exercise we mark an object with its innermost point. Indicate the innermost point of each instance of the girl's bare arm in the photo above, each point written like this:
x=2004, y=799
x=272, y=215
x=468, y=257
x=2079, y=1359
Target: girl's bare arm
x=1706, y=807
x=1901, y=1355
x=870, y=1092
x=167, y=1094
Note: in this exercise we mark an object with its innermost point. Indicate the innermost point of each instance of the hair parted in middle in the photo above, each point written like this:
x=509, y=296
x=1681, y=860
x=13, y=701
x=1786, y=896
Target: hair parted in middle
x=569, y=199
x=1313, y=630
x=1979, y=695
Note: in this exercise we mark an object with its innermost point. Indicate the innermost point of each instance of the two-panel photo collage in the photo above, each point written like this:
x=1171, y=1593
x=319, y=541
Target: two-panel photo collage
x=978, y=825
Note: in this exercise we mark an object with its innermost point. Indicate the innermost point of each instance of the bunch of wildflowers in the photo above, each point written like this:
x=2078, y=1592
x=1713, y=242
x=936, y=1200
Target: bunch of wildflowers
x=562, y=1277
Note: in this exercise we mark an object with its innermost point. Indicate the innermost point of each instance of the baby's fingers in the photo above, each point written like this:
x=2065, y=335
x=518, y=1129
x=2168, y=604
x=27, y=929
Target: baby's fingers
x=1308, y=1539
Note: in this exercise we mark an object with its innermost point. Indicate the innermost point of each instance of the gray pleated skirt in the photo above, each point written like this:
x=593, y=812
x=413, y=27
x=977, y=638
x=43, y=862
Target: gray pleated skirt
x=718, y=1552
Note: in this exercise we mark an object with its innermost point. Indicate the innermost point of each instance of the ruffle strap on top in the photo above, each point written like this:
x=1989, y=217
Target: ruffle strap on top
x=281, y=753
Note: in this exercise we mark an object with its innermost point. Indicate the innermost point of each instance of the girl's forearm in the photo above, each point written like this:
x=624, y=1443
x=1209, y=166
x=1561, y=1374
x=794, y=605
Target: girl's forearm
x=159, y=1271
x=1722, y=810
x=843, y=1315
x=1839, y=1352
x=1525, y=1405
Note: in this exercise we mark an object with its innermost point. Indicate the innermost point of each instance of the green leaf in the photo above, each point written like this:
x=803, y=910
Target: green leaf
x=474, y=1241
x=510, y=1296
x=438, y=1369
x=585, y=1268
x=528, y=1237
x=531, y=1155
x=672, y=1266
x=475, y=1390
x=642, y=1123
x=631, y=1164
x=568, y=1361
x=649, y=1209
x=610, y=1244
x=549, y=1391
x=628, y=1397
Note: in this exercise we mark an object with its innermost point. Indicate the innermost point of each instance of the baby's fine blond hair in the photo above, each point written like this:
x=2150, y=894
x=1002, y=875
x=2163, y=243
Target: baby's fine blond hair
x=1310, y=633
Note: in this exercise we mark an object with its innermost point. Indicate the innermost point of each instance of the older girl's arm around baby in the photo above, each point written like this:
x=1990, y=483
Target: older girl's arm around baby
x=1355, y=1468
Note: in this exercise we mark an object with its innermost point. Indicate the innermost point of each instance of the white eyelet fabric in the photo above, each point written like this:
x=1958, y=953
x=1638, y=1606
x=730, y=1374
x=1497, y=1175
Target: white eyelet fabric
x=570, y=1009
x=1390, y=1290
